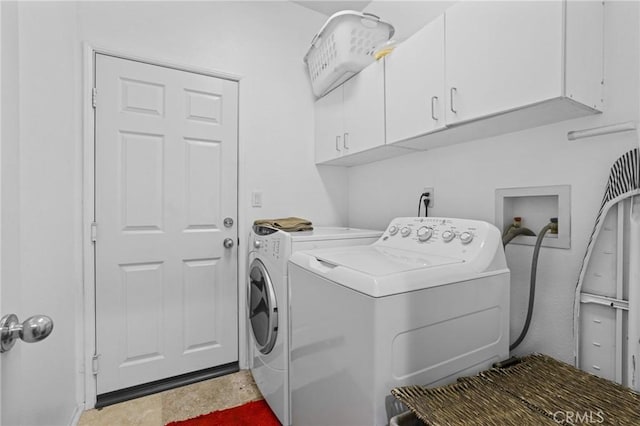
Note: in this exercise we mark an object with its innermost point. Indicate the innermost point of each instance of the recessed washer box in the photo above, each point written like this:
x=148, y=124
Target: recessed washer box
x=536, y=205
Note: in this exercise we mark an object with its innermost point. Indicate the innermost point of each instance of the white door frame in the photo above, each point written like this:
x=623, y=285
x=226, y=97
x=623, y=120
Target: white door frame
x=87, y=336
x=1, y=313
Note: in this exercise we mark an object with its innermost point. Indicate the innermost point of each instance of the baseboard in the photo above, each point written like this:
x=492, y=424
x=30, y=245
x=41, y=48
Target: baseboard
x=75, y=417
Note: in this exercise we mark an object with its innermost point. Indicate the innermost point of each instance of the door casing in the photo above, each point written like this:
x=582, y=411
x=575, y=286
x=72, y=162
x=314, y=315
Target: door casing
x=86, y=335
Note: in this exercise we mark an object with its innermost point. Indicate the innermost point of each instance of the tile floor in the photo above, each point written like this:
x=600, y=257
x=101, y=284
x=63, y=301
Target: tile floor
x=177, y=404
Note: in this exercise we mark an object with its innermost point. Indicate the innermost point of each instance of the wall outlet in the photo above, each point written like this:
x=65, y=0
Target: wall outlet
x=431, y=196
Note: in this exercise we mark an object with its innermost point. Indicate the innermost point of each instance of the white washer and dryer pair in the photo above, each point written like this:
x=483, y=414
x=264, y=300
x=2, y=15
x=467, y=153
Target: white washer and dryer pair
x=268, y=304
x=425, y=304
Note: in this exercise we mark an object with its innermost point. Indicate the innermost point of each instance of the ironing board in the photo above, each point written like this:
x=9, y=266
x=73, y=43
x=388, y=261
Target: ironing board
x=607, y=303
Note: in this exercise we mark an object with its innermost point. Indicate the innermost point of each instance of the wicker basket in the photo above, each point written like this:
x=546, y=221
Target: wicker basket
x=343, y=47
x=537, y=391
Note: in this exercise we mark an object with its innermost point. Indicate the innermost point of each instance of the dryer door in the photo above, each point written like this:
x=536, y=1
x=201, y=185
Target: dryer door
x=263, y=308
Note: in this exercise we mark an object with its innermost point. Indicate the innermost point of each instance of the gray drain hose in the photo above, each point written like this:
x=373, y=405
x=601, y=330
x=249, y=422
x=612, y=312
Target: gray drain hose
x=532, y=283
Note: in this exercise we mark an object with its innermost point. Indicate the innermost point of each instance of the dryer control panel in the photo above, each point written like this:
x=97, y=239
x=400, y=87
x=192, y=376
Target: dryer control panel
x=459, y=238
x=270, y=245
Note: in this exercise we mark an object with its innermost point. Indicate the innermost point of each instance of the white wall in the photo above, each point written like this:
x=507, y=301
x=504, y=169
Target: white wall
x=465, y=177
x=262, y=42
x=407, y=17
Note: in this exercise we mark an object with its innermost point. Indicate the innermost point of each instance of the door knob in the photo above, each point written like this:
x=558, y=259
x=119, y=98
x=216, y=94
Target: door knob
x=227, y=243
x=33, y=329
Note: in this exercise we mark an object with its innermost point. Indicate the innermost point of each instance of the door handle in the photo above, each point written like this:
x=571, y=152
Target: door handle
x=227, y=243
x=33, y=329
x=345, y=141
x=338, y=143
x=451, y=96
x=434, y=99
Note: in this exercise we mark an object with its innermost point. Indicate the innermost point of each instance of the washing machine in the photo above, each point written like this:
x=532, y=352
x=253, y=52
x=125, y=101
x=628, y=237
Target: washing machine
x=268, y=306
x=425, y=304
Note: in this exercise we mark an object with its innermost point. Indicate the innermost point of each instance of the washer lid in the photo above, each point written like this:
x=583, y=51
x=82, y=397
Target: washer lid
x=381, y=271
x=380, y=261
x=334, y=233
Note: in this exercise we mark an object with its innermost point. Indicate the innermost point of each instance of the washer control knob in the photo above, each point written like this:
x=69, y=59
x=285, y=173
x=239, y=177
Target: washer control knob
x=257, y=244
x=424, y=233
x=393, y=230
x=448, y=235
x=405, y=232
x=466, y=237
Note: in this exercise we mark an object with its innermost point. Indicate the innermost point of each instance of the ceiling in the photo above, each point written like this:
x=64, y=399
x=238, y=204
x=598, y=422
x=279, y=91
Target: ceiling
x=330, y=7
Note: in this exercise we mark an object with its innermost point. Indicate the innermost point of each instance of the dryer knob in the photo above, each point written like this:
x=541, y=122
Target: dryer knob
x=393, y=230
x=405, y=232
x=257, y=244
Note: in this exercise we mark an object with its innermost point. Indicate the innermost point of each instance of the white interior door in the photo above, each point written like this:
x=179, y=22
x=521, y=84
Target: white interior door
x=166, y=178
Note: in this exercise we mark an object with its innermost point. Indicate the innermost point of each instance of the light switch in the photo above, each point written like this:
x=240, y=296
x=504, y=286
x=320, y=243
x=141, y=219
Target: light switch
x=256, y=199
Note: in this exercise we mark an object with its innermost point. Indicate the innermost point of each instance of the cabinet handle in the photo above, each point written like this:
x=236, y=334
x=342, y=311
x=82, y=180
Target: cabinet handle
x=434, y=99
x=338, y=143
x=451, y=93
x=345, y=141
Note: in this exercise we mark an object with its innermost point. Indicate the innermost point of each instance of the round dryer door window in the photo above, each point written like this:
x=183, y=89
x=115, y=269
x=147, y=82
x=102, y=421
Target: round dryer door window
x=263, y=310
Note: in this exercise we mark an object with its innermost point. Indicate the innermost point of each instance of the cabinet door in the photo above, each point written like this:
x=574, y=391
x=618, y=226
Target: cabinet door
x=329, y=126
x=364, y=110
x=501, y=56
x=414, y=76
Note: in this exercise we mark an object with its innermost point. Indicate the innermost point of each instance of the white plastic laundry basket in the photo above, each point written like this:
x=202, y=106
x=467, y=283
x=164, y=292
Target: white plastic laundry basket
x=343, y=47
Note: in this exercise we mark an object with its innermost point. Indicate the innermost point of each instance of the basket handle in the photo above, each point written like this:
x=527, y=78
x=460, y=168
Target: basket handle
x=376, y=17
x=364, y=14
x=314, y=39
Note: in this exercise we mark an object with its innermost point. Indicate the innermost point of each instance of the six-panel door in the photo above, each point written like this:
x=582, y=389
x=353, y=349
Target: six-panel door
x=166, y=178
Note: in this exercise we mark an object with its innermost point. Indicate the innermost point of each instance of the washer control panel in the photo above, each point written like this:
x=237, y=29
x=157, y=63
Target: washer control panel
x=438, y=235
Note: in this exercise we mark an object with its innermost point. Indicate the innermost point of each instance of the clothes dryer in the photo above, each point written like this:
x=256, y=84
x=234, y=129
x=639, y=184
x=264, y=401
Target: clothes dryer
x=268, y=305
x=425, y=304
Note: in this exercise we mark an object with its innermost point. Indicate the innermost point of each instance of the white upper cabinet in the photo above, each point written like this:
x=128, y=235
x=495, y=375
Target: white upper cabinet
x=350, y=121
x=415, y=82
x=502, y=56
x=514, y=65
x=364, y=109
x=329, y=126
x=482, y=69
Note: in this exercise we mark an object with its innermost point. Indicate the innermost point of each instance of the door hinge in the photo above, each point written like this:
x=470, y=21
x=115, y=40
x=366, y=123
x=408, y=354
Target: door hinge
x=94, y=364
x=94, y=96
x=94, y=232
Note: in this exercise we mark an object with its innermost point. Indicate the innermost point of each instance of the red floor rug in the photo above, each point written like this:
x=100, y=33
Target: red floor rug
x=254, y=413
